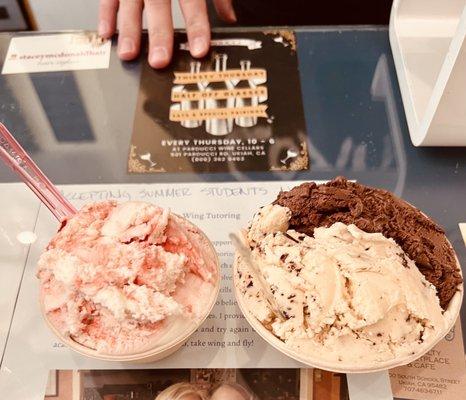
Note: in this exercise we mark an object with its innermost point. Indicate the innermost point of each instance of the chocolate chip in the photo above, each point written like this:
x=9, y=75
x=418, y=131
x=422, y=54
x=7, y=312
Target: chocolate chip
x=291, y=237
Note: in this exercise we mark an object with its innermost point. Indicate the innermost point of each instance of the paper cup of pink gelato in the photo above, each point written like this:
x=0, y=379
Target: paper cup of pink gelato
x=127, y=281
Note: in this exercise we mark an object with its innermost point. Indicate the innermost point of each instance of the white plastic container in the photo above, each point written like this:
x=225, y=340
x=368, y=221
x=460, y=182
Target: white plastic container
x=428, y=41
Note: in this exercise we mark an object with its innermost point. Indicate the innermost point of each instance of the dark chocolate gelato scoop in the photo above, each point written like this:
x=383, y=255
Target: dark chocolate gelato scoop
x=377, y=210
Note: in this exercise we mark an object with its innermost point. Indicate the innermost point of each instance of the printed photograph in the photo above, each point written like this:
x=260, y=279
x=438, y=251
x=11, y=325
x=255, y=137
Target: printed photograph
x=196, y=384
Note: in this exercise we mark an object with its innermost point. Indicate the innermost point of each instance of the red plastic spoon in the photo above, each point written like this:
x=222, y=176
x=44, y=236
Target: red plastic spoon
x=19, y=161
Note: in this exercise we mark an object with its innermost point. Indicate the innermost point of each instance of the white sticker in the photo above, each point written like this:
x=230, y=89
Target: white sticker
x=58, y=52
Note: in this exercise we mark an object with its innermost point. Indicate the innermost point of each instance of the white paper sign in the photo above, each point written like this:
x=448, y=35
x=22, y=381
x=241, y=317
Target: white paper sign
x=19, y=208
x=462, y=226
x=58, y=52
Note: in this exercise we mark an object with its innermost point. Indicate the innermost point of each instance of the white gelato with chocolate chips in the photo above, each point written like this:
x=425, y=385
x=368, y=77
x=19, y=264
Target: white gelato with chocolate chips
x=347, y=295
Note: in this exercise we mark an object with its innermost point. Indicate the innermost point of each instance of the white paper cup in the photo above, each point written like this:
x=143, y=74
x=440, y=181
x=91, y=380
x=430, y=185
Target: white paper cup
x=176, y=331
x=450, y=315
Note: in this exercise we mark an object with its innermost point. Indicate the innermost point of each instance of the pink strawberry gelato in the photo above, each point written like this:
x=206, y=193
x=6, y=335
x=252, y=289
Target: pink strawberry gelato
x=117, y=277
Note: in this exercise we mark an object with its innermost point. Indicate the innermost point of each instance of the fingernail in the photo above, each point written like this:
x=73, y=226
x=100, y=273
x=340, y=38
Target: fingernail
x=198, y=46
x=158, y=56
x=126, y=46
x=104, y=28
x=233, y=16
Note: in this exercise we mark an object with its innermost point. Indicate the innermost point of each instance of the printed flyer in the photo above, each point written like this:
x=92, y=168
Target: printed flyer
x=237, y=109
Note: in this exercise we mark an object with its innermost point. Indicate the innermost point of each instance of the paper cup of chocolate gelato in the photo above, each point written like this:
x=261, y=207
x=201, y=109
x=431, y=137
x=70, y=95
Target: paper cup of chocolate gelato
x=364, y=281
x=127, y=281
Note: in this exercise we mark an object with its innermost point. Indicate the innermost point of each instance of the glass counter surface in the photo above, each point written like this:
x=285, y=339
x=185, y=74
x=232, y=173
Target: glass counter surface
x=77, y=127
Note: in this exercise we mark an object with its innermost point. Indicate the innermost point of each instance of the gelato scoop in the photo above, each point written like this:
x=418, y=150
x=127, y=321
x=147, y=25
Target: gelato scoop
x=346, y=294
x=117, y=277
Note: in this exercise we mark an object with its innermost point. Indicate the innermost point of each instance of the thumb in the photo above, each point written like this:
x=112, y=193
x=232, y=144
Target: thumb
x=225, y=10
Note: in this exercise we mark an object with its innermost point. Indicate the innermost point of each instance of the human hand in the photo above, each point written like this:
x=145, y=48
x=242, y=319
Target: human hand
x=159, y=26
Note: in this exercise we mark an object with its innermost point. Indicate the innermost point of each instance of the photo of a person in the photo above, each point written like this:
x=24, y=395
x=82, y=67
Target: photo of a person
x=182, y=391
x=185, y=384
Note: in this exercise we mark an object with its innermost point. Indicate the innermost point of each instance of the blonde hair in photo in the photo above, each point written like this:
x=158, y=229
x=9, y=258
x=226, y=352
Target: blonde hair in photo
x=179, y=391
x=234, y=390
